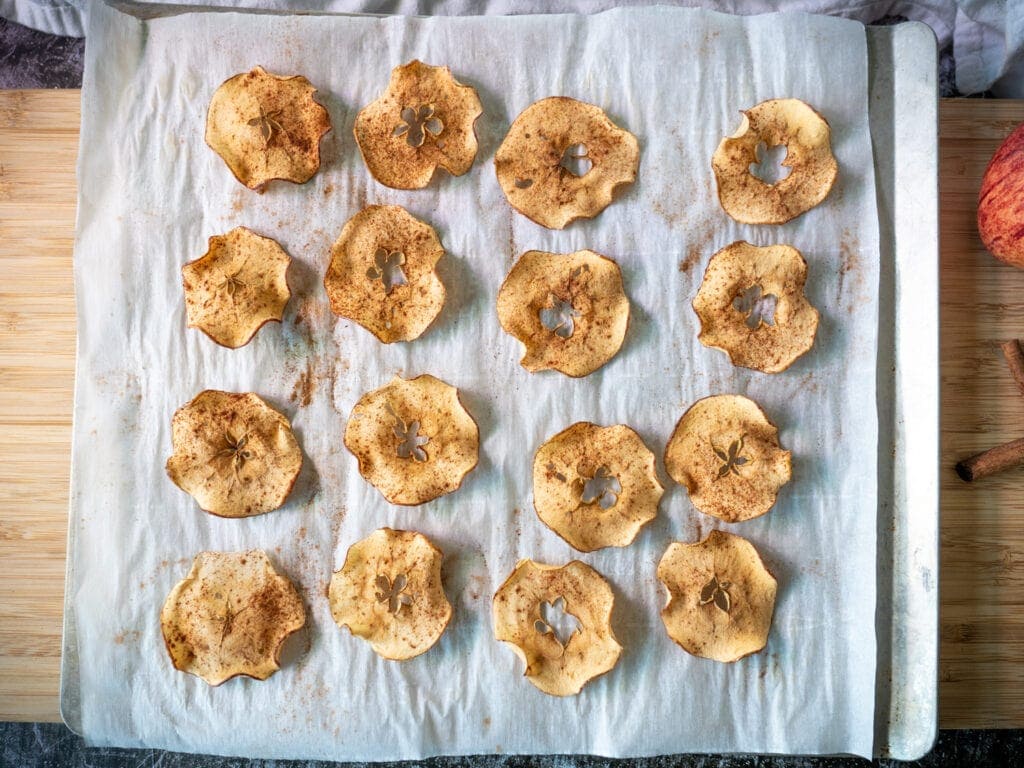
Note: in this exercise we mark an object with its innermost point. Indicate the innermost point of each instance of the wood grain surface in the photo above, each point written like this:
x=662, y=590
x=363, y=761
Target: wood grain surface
x=38, y=150
x=982, y=617
x=981, y=658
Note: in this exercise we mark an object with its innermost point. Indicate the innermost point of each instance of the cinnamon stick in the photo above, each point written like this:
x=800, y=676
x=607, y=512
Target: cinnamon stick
x=1014, y=355
x=991, y=461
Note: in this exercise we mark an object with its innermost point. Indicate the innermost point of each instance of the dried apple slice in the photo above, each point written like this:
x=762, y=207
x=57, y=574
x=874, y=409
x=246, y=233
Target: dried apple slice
x=423, y=121
x=596, y=486
x=569, y=310
x=382, y=275
x=727, y=454
x=558, y=621
x=236, y=287
x=812, y=167
x=233, y=453
x=720, y=597
x=230, y=616
x=413, y=439
x=563, y=160
x=267, y=127
x=389, y=593
x=752, y=306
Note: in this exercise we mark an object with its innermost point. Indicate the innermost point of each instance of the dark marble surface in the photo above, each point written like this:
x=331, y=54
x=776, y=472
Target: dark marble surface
x=30, y=59
x=50, y=745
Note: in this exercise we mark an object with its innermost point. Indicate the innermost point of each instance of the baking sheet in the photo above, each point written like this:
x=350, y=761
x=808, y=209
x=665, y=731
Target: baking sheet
x=904, y=129
x=151, y=192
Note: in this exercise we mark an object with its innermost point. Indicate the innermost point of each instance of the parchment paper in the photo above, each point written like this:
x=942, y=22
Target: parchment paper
x=151, y=193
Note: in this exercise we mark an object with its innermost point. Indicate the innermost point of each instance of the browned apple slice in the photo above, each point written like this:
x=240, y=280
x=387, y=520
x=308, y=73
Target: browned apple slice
x=423, y=121
x=236, y=287
x=563, y=160
x=752, y=306
x=569, y=310
x=267, y=127
x=382, y=274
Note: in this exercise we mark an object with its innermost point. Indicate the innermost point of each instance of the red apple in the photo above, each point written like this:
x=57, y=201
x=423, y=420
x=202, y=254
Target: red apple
x=1001, y=201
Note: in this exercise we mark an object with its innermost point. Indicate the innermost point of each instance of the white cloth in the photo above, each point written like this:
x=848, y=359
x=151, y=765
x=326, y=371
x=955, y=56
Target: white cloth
x=987, y=36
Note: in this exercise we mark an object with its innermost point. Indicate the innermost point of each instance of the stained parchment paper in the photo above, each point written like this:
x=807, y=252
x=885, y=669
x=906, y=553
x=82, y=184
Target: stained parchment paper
x=151, y=193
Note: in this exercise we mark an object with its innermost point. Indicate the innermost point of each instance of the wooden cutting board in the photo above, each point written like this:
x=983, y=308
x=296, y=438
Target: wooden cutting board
x=982, y=622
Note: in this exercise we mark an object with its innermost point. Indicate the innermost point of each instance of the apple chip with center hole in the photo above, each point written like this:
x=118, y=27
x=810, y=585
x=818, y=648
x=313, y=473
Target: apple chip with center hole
x=423, y=121
x=233, y=453
x=413, y=438
x=752, y=306
x=563, y=159
x=236, y=287
x=382, y=275
x=230, y=616
x=812, y=167
x=720, y=597
x=389, y=593
x=596, y=486
x=569, y=310
x=558, y=621
x=267, y=127
x=727, y=454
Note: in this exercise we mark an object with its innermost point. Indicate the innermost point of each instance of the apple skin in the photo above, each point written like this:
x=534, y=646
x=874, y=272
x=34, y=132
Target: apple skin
x=1001, y=201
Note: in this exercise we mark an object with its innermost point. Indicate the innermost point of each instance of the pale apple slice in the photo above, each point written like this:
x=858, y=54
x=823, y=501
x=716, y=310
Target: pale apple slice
x=230, y=616
x=414, y=439
x=558, y=621
x=596, y=486
x=727, y=454
x=721, y=597
x=570, y=311
x=812, y=166
x=389, y=593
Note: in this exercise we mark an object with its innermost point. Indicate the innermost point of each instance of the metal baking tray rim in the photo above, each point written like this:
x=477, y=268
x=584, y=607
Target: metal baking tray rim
x=903, y=112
